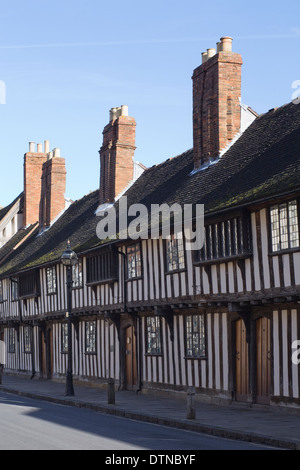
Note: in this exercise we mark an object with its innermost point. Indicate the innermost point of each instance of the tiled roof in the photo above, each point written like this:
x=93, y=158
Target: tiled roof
x=263, y=163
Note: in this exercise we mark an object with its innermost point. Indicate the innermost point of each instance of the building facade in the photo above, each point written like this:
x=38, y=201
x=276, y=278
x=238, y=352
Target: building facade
x=150, y=312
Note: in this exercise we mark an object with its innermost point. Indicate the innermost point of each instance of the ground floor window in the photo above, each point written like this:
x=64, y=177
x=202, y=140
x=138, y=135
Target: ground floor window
x=27, y=339
x=11, y=340
x=64, y=338
x=90, y=336
x=153, y=335
x=195, y=336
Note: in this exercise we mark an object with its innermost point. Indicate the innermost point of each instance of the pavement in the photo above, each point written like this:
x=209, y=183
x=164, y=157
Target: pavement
x=273, y=426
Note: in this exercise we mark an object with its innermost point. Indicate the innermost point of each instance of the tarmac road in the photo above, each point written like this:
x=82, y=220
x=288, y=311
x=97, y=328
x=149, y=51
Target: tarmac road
x=31, y=424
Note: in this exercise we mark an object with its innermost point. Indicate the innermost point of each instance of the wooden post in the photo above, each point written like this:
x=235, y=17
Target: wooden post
x=191, y=410
x=111, y=392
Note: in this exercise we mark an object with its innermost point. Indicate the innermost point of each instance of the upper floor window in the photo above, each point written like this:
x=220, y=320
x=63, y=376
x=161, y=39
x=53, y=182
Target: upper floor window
x=195, y=336
x=77, y=274
x=284, y=226
x=134, y=261
x=225, y=239
x=102, y=267
x=175, y=253
x=1, y=291
x=153, y=333
x=51, y=280
x=14, y=289
x=29, y=284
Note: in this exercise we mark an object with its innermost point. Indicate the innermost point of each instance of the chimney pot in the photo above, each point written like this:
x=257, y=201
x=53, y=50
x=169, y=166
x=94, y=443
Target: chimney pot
x=39, y=148
x=124, y=110
x=56, y=152
x=204, y=57
x=210, y=53
x=226, y=44
x=46, y=146
x=31, y=147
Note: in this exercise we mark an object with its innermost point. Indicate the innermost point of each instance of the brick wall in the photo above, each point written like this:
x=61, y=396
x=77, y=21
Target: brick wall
x=44, y=186
x=116, y=157
x=53, y=188
x=216, y=106
x=33, y=163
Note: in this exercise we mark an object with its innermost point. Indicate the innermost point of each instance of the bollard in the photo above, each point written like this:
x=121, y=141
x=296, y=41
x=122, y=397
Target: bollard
x=191, y=410
x=111, y=392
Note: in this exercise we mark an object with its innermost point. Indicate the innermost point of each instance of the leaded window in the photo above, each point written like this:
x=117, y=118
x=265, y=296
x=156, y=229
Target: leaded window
x=14, y=289
x=175, y=253
x=1, y=291
x=134, y=261
x=90, y=336
x=77, y=274
x=51, y=280
x=27, y=339
x=195, y=336
x=284, y=226
x=64, y=338
x=11, y=340
x=153, y=335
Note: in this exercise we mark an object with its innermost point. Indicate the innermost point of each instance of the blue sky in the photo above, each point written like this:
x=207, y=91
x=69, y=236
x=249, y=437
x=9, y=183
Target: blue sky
x=66, y=63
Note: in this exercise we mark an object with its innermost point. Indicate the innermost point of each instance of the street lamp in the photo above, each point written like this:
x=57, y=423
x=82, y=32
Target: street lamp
x=69, y=259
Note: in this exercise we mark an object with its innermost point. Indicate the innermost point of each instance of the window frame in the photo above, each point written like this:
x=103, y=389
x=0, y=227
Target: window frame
x=102, y=268
x=14, y=289
x=270, y=229
x=157, y=331
x=53, y=270
x=11, y=340
x=168, y=241
x=189, y=336
x=64, y=338
x=77, y=274
x=88, y=337
x=225, y=245
x=27, y=338
x=1, y=291
x=137, y=273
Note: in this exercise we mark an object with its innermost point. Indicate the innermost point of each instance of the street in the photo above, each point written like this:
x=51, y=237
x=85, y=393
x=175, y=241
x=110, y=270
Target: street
x=28, y=424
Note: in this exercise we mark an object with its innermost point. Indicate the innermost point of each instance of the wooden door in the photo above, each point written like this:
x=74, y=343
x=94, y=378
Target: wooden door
x=263, y=360
x=131, y=360
x=46, y=353
x=241, y=362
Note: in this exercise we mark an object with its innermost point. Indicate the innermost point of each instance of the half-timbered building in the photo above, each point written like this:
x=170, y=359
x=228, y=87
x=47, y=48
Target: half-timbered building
x=149, y=312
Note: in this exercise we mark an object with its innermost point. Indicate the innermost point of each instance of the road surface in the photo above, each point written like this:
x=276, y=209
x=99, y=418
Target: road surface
x=28, y=424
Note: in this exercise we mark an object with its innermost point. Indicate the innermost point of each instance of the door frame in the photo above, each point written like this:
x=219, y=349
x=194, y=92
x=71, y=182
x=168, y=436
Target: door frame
x=250, y=318
x=126, y=323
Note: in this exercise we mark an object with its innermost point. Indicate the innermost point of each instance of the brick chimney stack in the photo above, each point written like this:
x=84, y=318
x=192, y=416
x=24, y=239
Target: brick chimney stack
x=116, y=155
x=216, y=101
x=44, y=185
x=52, y=201
x=33, y=163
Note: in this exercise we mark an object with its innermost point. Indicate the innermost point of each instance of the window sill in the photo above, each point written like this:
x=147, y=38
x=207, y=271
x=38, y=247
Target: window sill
x=137, y=278
x=196, y=358
x=153, y=354
x=222, y=260
x=284, y=252
x=104, y=281
x=176, y=271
